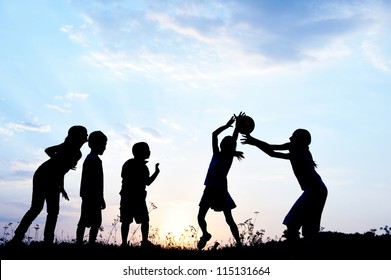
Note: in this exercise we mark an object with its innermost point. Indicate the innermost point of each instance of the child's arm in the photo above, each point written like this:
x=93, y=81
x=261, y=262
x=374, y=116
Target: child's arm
x=62, y=190
x=154, y=175
x=235, y=134
x=266, y=147
x=215, y=143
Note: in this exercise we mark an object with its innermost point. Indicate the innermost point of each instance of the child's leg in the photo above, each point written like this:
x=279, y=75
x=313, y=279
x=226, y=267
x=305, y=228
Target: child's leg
x=201, y=219
x=53, y=208
x=93, y=235
x=124, y=232
x=292, y=233
x=202, y=223
x=232, y=225
x=79, y=234
x=144, y=230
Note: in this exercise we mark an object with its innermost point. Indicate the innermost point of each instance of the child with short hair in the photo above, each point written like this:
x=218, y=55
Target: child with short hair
x=91, y=189
x=135, y=177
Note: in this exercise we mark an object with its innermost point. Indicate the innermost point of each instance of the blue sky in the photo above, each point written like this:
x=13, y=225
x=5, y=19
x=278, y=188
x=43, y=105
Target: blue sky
x=171, y=72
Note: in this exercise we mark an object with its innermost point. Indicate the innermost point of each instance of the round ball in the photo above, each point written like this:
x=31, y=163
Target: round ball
x=245, y=125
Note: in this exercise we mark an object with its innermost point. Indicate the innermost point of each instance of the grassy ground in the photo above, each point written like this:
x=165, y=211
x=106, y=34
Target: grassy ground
x=328, y=246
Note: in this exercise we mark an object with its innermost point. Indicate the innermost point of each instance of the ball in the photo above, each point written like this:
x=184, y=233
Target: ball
x=245, y=125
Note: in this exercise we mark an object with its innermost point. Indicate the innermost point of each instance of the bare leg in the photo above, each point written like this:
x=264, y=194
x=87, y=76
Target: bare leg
x=124, y=233
x=93, y=235
x=79, y=235
x=144, y=231
x=232, y=225
x=201, y=219
x=206, y=236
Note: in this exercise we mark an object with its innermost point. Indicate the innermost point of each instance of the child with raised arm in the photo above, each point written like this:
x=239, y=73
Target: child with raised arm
x=307, y=210
x=48, y=183
x=91, y=189
x=135, y=177
x=216, y=195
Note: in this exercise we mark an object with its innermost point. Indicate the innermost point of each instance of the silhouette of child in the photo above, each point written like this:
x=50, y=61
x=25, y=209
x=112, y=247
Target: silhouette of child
x=216, y=195
x=91, y=189
x=307, y=210
x=48, y=183
x=135, y=177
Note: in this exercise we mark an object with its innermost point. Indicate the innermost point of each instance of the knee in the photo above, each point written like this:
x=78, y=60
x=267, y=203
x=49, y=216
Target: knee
x=34, y=211
x=230, y=220
x=53, y=214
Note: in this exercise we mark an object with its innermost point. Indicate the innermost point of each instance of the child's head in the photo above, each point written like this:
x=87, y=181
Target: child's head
x=228, y=144
x=97, y=142
x=141, y=150
x=301, y=137
x=77, y=135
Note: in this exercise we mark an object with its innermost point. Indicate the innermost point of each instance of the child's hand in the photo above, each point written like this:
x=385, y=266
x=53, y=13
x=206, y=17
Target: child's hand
x=231, y=121
x=241, y=114
x=157, y=168
x=248, y=139
x=64, y=195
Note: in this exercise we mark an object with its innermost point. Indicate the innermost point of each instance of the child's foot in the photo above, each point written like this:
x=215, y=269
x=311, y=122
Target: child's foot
x=203, y=240
x=148, y=244
x=14, y=243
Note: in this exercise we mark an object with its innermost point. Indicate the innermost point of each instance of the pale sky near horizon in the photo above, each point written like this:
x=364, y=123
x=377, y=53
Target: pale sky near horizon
x=171, y=72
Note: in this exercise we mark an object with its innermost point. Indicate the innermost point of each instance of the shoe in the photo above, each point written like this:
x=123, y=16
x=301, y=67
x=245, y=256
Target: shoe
x=203, y=240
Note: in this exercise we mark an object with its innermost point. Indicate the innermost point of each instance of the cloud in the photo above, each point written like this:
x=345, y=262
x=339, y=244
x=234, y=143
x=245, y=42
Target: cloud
x=17, y=172
x=376, y=56
x=32, y=125
x=75, y=37
x=170, y=123
x=192, y=31
x=64, y=108
x=6, y=131
x=76, y=95
x=67, y=100
x=148, y=134
x=204, y=39
x=28, y=126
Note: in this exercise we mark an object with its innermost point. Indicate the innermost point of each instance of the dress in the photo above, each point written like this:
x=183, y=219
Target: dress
x=135, y=174
x=216, y=195
x=306, y=212
x=91, y=192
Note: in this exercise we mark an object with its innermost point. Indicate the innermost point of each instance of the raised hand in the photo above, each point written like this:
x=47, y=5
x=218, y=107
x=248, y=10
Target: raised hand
x=231, y=121
x=241, y=114
x=248, y=139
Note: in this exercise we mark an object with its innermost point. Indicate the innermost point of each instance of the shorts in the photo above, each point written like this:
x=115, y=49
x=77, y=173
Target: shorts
x=133, y=210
